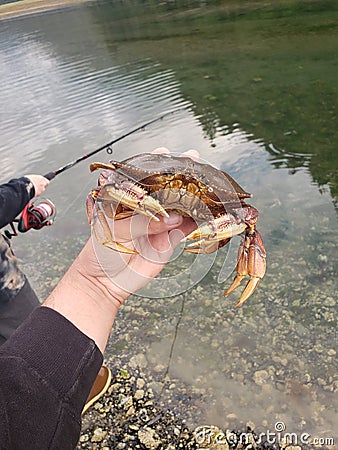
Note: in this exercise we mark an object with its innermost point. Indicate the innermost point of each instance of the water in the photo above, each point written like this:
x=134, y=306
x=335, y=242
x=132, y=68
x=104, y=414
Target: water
x=259, y=88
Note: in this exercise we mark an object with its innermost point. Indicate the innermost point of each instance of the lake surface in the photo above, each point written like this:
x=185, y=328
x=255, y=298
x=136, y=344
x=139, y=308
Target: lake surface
x=259, y=90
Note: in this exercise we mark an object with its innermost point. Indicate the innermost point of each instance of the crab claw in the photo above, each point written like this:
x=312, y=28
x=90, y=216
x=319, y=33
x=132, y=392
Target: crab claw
x=213, y=235
x=134, y=197
x=149, y=206
x=248, y=290
x=251, y=261
x=224, y=227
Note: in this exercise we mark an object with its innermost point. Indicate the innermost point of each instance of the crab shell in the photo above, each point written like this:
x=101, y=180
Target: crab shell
x=201, y=189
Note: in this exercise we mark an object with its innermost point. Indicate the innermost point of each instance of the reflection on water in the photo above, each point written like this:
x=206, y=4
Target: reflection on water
x=258, y=107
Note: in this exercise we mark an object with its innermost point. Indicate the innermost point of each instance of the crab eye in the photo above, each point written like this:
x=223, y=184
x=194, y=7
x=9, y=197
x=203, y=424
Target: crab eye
x=210, y=189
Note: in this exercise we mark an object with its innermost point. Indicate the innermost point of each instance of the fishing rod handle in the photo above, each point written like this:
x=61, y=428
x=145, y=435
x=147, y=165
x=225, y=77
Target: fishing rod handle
x=50, y=175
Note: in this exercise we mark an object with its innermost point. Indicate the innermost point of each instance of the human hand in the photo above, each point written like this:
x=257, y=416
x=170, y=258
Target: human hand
x=154, y=243
x=39, y=182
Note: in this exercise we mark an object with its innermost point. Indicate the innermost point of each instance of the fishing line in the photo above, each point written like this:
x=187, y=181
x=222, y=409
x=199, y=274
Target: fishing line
x=180, y=317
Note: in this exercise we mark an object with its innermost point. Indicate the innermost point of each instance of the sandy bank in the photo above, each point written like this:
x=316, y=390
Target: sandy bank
x=25, y=7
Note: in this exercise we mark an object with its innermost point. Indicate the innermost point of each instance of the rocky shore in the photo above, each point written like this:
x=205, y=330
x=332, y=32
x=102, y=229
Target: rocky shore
x=155, y=403
x=132, y=416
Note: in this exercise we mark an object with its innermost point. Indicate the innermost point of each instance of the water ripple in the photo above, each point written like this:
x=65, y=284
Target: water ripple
x=48, y=100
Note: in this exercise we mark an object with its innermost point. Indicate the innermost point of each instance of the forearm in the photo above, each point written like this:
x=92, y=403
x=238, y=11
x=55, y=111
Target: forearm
x=87, y=302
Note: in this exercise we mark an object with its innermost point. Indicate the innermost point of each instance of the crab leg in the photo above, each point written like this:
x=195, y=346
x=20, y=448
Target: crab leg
x=206, y=247
x=99, y=165
x=90, y=204
x=103, y=234
x=251, y=261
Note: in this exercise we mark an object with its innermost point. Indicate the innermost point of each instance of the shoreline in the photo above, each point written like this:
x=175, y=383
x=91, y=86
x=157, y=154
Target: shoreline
x=28, y=7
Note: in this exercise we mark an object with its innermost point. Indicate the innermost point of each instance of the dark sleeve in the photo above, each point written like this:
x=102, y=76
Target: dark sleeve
x=14, y=196
x=47, y=369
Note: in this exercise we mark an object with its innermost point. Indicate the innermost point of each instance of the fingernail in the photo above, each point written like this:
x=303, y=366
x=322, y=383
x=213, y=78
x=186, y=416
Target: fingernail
x=173, y=219
x=193, y=154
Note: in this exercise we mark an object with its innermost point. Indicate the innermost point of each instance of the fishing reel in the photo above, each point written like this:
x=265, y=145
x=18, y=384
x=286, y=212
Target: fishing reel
x=35, y=215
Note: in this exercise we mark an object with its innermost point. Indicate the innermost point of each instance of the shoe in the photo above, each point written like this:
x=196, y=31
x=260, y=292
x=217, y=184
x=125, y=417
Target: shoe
x=99, y=388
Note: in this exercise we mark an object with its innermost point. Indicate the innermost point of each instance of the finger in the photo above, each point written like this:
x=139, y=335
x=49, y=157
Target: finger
x=161, y=150
x=193, y=154
x=138, y=225
x=188, y=225
x=156, y=249
x=175, y=237
x=159, y=247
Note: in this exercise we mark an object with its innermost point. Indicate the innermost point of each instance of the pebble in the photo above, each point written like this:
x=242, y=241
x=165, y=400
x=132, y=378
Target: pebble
x=149, y=438
x=285, y=326
x=231, y=417
x=98, y=435
x=322, y=258
x=329, y=301
x=250, y=425
x=138, y=361
x=260, y=376
x=140, y=383
x=139, y=394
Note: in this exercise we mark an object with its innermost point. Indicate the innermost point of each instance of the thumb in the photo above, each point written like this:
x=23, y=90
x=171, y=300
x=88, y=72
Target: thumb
x=138, y=225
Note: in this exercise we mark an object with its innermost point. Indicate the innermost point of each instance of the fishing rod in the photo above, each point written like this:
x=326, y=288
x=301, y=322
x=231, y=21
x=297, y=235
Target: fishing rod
x=37, y=215
x=51, y=175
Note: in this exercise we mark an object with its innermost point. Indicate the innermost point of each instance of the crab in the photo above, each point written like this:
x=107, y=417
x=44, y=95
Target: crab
x=153, y=184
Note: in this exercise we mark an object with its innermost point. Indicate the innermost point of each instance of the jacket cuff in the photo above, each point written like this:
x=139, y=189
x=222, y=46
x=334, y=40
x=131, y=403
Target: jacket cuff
x=64, y=357
x=29, y=186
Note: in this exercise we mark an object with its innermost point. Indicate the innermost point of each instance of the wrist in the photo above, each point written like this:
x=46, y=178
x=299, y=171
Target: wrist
x=87, y=303
x=98, y=276
x=96, y=289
